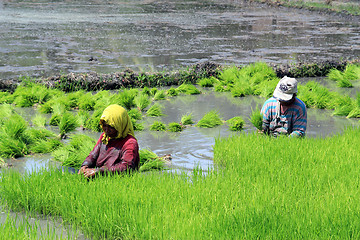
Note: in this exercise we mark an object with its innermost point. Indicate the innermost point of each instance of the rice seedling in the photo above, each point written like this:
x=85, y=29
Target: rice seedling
x=146, y=91
x=142, y=101
x=155, y=111
x=236, y=123
x=6, y=110
x=186, y=119
x=87, y=102
x=6, y=97
x=44, y=145
x=241, y=89
x=317, y=96
x=158, y=126
x=188, y=89
x=39, y=120
x=174, y=127
x=68, y=122
x=172, y=92
x=93, y=123
x=343, y=79
x=125, y=98
x=159, y=95
x=75, y=152
x=256, y=118
x=136, y=125
x=27, y=96
x=207, y=82
x=150, y=161
x=210, y=120
x=153, y=91
x=135, y=114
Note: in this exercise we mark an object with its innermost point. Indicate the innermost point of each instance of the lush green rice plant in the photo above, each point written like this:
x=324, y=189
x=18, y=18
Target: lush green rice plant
x=45, y=145
x=236, y=123
x=188, y=89
x=256, y=118
x=241, y=89
x=136, y=125
x=155, y=110
x=172, y=92
x=160, y=95
x=146, y=91
x=39, y=120
x=75, y=152
x=343, y=106
x=6, y=97
x=317, y=96
x=207, y=82
x=27, y=96
x=158, y=126
x=68, y=122
x=222, y=87
x=150, y=161
x=87, y=102
x=210, y=120
x=343, y=79
x=142, y=101
x=135, y=114
x=6, y=110
x=125, y=98
x=174, y=127
x=186, y=119
x=153, y=91
x=93, y=123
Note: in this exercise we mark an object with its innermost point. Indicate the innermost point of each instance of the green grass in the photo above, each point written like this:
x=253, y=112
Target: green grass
x=210, y=120
x=174, y=127
x=186, y=119
x=158, y=126
x=236, y=123
x=256, y=118
x=305, y=189
x=155, y=110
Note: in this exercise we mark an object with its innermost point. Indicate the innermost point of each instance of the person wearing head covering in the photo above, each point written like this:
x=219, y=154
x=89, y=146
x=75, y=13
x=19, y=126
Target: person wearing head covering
x=117, y=149
x=284, y=113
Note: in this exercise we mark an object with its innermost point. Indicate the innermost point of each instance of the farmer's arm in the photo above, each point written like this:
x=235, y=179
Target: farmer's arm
x=299, y=125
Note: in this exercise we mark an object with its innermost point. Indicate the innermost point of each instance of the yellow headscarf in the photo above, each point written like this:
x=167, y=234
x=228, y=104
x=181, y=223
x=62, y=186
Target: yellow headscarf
x=118, y=118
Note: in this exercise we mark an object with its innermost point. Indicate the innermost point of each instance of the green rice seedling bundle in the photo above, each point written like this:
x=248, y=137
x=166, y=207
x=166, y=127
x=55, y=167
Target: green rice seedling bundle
x=236, y=123
x=221, y=86
x=142, y=101
x=188, y=89
x=146, y=91
x=135, y=114
x=155, y=110
x=6, y=110
x=210, y=120
x=343, y=79
x=160, y=95
x=39, y=120
x=174, y=127
x=6, y=97
x=158, y=126
x=82, y=116
x=75, y=152
x=186, y=119
x=125, y=98
x=68, y=123
x=150, y=161
x=355, y=111
x=317, y=96
x=207, y=82
x=93, y=123
x=229, y=75
x=241, y=89
x=87, y=102
x=136, y=125
x=45, y=145
x=343, y=106
x=256, y=118
x=172, y=92
x=27, y=96
x=266, y=88
x=153, y=91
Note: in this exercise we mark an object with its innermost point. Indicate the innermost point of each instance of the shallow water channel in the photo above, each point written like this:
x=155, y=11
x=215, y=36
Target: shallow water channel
x=42, y=38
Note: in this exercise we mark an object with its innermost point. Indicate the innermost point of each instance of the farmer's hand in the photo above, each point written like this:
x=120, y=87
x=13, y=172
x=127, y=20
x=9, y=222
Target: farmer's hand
x=82, y=169
x=89, y=172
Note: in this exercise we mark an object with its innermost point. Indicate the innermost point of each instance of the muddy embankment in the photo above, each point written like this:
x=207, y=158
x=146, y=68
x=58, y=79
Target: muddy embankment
x=129, y=79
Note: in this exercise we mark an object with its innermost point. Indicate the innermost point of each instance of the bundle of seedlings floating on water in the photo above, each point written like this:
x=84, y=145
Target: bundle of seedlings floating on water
x=150, y=161
x=256, y=118
x=159, y=95
x=186, y=119
x=17, y=140
x=172, y=92
x=188, y=89
x=136, y=115
x=74, y=153
x=345, y=78
x=142, y=101
x=236, y=123
x=125, y=98
x=155, y=110
x=68, y=123
x=158, y=126
x=29, y=94
x=210, y=120
x=207, y=82
x=39, y=120
x=175, y=127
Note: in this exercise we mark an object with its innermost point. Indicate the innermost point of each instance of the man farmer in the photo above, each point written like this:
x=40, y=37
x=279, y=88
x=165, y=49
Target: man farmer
x=284, y=113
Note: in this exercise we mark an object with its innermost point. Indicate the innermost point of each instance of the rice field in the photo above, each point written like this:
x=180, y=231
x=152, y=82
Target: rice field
x=260, y=187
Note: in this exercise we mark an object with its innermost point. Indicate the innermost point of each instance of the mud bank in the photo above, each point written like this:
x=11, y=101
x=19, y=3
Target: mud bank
x=131, y=79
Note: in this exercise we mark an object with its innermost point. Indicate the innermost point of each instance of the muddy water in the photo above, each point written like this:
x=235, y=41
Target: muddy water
x=41, y=38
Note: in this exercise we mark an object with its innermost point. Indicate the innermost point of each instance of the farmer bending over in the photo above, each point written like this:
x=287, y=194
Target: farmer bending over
x=117, y=149
x=284, y=113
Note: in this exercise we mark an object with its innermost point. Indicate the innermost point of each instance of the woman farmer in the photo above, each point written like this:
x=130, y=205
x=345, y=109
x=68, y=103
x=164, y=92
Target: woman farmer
x=117, y=149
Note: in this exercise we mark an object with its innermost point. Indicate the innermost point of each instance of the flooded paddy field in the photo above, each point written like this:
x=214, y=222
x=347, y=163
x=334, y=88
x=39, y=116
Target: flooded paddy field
x=42, y=39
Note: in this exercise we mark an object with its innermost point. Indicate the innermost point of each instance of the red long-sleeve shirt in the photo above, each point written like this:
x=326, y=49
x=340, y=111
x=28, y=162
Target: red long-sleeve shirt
x=118, y=155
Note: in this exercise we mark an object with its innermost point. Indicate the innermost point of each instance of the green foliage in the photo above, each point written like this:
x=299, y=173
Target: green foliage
x=207, y=82
x=135, y=114
x=343, y=79
x=188, y=89
x=172, y=92
x=75, y=152
x=126, y=98
x=174, y=127
x=160, y=95
x=150, y=161
x=142, y=101
x=153, y=91
x=210, y=120
x=39, y=120
x=87, y=102
x=93, y=123
x=155, y=111
x=256, y=118
x=187, y=119
x=158, y=126
x=68, y=122
x=316, y=96
x=236, y=123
